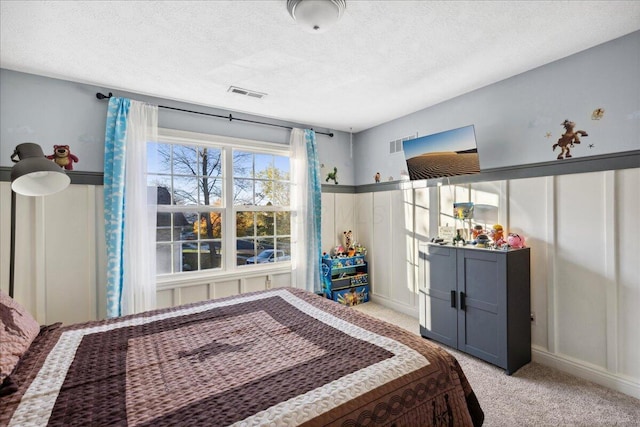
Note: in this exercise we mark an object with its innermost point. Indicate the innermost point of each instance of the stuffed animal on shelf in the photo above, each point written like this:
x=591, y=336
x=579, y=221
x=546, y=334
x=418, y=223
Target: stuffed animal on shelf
x=516, y=241
x=337, y=251
x=62, y=157
x=347, y=239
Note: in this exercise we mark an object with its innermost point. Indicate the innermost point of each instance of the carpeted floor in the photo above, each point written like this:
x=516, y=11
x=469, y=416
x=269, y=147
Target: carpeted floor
x=535, y=395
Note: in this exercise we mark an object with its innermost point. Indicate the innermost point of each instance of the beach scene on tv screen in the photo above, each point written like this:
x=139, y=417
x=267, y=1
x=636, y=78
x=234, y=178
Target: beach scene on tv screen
x=448, y=153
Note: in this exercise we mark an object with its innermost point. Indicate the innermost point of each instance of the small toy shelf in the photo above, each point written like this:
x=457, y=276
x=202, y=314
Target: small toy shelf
x=346, y=279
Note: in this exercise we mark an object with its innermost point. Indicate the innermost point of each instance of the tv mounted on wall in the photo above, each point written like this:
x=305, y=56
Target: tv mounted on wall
x=442, y=154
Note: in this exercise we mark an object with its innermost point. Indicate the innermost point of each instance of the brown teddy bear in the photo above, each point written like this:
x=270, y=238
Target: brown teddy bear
x=63, y=157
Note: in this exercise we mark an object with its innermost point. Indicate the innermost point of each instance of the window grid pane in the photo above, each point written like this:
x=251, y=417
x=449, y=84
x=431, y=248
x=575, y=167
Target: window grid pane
x=270, y=246
x=191, y=206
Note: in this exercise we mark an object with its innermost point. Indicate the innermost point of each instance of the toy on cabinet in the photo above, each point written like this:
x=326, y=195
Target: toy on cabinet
x=516, y=241
x=482, y=241
x=477, y=230
x=497, y=235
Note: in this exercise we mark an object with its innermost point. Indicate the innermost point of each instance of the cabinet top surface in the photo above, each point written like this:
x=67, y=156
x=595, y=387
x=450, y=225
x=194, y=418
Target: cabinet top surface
x=474, y=248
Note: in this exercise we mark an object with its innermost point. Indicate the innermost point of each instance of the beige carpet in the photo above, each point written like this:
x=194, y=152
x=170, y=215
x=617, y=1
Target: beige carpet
x=535, y=395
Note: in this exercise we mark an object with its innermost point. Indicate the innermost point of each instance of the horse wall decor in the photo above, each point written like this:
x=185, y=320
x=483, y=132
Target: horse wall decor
x=568, y=139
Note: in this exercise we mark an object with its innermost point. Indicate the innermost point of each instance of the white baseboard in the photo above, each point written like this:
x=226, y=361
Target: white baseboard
x=586, y=371
x=404, y=309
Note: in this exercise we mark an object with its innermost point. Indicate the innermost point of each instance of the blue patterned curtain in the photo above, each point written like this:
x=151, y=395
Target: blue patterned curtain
x=315, y=210
x=130, y=207
x=114, y=176
x=306, y=204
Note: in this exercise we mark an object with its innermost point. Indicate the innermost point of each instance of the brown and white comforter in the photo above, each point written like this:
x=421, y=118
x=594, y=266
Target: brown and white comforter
x=281, y=357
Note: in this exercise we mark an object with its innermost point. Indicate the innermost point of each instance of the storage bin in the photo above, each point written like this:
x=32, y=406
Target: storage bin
x=351, y=296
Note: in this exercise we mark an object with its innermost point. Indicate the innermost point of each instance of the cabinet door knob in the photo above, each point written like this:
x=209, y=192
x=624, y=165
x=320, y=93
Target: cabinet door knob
x=453, y=299
x=463, y=305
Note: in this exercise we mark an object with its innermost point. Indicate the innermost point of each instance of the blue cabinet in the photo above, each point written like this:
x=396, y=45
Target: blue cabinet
x=477, y=301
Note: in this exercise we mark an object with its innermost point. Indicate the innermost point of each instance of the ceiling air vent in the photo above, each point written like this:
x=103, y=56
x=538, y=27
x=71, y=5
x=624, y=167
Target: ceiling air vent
x=246, y=92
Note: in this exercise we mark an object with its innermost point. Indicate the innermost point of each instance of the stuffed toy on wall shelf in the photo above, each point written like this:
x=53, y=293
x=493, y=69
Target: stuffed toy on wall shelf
x=62, y=157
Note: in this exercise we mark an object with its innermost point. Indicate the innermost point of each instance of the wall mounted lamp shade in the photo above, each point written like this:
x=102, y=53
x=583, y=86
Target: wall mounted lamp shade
x=316, y=16
x=34, y=174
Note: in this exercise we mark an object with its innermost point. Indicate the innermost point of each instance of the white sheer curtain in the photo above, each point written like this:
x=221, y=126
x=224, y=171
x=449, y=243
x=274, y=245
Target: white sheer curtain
x=139, y=284
x=306, y=206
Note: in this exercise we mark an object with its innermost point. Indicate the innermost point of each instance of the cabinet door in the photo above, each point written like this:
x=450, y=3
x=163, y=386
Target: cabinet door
x=440, y=302
x=482, y=315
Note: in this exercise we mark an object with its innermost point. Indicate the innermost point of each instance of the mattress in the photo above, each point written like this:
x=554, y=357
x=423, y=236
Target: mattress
x=282, y=357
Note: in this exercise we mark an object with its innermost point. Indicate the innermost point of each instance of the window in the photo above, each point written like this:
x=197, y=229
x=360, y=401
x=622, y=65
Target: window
x=484, y=196
x=223, y=203
x=261, y=206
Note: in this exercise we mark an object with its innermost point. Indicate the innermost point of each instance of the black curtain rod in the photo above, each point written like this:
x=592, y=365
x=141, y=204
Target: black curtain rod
x=229, y=117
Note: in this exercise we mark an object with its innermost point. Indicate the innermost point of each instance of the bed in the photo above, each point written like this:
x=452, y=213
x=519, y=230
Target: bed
x=280, y=357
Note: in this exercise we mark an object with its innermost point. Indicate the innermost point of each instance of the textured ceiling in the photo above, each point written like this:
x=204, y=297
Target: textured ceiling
x=383, y=60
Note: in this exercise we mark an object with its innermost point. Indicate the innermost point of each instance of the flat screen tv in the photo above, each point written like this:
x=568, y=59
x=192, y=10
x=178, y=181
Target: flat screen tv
x=443, y=154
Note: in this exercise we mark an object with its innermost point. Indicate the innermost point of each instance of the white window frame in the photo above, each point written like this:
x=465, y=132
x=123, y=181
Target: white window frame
x=229, y=268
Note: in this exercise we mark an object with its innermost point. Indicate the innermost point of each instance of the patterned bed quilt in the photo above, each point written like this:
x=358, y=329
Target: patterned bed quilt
x=282, y=357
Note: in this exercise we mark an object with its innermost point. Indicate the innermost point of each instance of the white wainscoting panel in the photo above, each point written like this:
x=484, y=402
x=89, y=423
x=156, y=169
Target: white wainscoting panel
x=226, y=288
x=280, y=280
x=194, y=293
x=328, y=214
x=170, y=294
x=338, y=216
x=401, y=243
x=25, y=289
x=70, y=254
x=580, y=285
x=364, y=229
x=5, y=226
x=164, y=298
x=253, y=284
x=363, y=224
x=101, y=254
x=528, y=217
x=421, y=215
x=627, y=226
x=380, y=253
x=345, y=218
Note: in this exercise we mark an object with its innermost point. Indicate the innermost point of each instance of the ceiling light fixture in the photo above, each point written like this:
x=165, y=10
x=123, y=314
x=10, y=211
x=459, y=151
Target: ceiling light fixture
x=316, y=16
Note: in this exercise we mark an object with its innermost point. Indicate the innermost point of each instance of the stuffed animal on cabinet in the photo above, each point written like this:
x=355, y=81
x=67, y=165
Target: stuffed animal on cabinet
x=516, y=241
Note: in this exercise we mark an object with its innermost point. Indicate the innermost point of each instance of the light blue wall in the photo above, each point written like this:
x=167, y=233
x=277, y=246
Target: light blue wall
x=57, y=112
x=513, y=117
